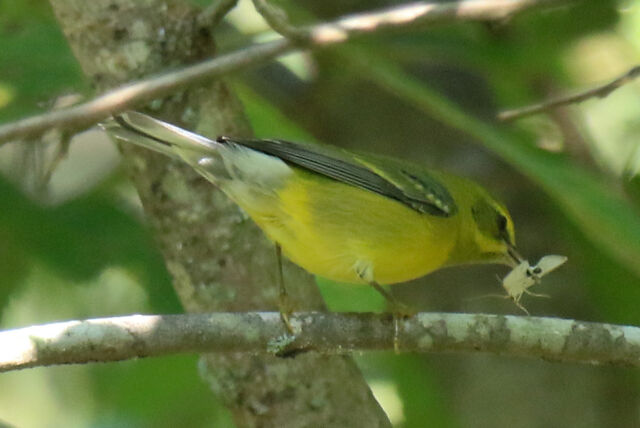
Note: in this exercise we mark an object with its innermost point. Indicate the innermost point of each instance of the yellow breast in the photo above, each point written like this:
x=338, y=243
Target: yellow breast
x=341, y=232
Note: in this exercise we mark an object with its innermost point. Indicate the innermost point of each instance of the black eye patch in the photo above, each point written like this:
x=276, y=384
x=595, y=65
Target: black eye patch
x=502, y=222
x=489, y=220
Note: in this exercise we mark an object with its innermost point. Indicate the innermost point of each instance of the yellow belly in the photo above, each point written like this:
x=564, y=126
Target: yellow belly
x=339, y=231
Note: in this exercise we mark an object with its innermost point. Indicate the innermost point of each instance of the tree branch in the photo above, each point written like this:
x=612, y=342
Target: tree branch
x=597, y=92
x=127, y=96
x=216, y=11
x=79, y=117
x=136, y=336
x=403, y=16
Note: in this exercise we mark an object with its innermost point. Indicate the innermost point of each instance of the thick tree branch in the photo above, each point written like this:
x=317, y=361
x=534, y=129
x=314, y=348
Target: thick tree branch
x=135, y=336
x=597, y=92
x=134, y=94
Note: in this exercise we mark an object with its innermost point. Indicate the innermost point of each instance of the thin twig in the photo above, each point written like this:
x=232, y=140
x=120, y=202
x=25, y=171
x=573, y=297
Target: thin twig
x=61, y=151
x=136, y=336
x=422, y=14
x=597, y=92
x=279, y=22
x=215, y=12
x=408, y=15
x=81, y=116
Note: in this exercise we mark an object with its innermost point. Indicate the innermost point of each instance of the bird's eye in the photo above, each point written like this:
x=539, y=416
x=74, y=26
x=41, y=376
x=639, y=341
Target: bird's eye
x=502, y=222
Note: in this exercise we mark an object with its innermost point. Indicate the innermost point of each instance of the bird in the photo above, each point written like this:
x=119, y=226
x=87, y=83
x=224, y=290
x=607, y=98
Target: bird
x=356, y=218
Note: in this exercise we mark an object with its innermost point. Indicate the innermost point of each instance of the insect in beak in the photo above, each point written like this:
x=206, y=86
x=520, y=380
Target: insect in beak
x=515, y=257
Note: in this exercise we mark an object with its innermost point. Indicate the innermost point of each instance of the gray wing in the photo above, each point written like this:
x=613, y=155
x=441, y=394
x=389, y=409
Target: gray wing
x=409, y=184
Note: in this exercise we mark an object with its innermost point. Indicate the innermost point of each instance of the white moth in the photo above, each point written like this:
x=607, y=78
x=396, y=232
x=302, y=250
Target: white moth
x=522, y=277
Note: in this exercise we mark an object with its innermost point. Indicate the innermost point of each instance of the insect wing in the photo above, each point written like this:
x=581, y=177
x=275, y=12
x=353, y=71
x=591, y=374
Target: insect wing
x=548, y=264
x=518, y=280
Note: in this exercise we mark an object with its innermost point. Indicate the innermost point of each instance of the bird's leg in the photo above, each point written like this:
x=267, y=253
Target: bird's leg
x=399, y=311
x=284, y=303
x=397, y=307
x=365, y=272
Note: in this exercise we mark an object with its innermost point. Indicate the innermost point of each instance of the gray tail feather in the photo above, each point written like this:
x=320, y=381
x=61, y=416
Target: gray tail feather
x=218, y=161
x=145, y=131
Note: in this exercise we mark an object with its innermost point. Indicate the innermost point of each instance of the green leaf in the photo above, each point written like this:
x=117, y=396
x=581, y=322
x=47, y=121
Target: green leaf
x=80, y=238
x=418, y=387
x=350, y=297
x=631, y=184
x=14, y=264
x=267, y=121
x=36, y=64
x=133, y=394
x=613, y=286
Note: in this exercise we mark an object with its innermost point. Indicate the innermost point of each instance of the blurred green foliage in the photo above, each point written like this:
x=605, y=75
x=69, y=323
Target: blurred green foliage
x=78, y=240
x=32, y=44
x=430, y=95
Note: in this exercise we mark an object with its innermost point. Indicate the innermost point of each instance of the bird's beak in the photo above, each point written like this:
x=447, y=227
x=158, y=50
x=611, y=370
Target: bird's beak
x=514, y=257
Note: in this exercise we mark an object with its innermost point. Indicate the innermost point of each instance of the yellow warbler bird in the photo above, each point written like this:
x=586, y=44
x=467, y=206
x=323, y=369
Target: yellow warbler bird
x=349, y=217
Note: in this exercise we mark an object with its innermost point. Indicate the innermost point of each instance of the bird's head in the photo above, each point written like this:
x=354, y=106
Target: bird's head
x=493, y=235
x=486, y=232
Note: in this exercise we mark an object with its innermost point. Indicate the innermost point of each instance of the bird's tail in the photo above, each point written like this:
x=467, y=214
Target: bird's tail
x=222, y=161
x=203, y=154
x=145, y=131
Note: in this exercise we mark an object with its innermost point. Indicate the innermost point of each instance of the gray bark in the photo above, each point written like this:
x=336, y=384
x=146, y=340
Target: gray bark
x=137, y=336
